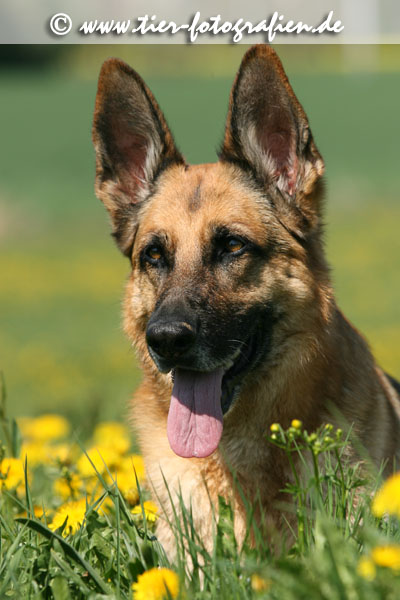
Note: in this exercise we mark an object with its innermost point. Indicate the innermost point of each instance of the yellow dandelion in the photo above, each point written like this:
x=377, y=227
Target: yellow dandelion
x=42, y=453
x=108, y=430
x=12, y=474
x=68, y=487
x=113, y=434
x=44, y=428
x=75, y=512
x=133, y=464
x=150, y=510
x=387, y=556
x=37, y=511
x=274, y=427
x=126, y=482
x=366, y=568
x=259, y=584
x=297, y=424
x=100, y=457
x=119, y=445
x=156, y=584
x=387, y=499
x=36, y=453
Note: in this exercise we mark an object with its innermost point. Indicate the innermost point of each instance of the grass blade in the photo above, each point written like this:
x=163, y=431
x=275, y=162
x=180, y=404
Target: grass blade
x=68, y=549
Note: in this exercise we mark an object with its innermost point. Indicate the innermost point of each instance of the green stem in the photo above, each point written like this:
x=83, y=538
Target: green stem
x=316, y=472
x=3, y=418
x=300, y=500
x=343, y=486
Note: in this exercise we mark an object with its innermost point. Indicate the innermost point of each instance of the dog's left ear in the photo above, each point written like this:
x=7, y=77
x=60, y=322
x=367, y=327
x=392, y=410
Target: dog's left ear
x=133, y=144
x=267, y=129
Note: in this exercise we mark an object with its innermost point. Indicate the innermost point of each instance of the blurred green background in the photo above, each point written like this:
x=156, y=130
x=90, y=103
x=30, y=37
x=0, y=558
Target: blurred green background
x=61, y=278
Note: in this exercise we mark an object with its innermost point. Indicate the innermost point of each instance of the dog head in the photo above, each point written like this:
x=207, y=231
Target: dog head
x=226, y=258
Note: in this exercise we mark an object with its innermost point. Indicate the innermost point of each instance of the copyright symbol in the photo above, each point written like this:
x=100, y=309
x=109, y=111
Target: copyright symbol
x=60, y=24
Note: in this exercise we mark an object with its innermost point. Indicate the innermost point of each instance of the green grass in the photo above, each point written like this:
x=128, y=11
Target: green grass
x=61, y=279
x=61, y=328
x=110, y=548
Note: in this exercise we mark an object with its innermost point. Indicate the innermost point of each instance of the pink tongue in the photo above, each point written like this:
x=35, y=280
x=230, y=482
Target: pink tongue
x=195, y=420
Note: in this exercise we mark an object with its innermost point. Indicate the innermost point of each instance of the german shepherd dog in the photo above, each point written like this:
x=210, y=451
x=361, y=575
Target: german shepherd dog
x=229, y=302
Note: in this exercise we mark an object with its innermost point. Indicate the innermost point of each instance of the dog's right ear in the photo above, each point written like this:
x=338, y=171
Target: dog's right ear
x=267, y=132
x=133, y=144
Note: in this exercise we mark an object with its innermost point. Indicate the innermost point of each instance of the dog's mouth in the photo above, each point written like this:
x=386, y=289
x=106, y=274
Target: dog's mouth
x=245, y=361
x=200, y=399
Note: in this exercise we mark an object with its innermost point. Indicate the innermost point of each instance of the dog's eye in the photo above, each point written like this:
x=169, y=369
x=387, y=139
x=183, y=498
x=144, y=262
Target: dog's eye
x=153, y=254
x=233, y=245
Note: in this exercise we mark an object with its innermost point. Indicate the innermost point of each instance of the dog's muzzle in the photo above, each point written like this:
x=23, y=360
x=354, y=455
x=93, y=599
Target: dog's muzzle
x=170, y=339
x=171, y=335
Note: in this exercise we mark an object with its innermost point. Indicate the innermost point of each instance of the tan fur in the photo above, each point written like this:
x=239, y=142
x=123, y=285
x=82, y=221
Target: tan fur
x=318, y=366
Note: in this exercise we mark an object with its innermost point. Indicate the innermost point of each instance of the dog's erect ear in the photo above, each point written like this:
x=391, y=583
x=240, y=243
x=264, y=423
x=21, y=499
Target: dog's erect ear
x=132, y=142
x=267, y=129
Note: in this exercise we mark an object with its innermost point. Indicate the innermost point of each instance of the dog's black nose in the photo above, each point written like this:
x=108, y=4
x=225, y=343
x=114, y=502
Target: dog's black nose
x=170, y=339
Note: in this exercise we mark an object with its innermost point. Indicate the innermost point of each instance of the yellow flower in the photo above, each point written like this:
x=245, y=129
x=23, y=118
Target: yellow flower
x=366, y=568
x=120, y=445
x=133, y=464
x=42, y=453
x=12, y=474
x=156, y=584
x=274, y=427
x=36, y=453
x=387, y=500
x=114, y=435
x=44, y=428
x=297, y=424
x=37, y=511
x=387, y=556
x=75, y=511
x=68, y=487
x=100, y=457
x=126, y=483
x=150, y=510
x=259, y=584
x=109, y=430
